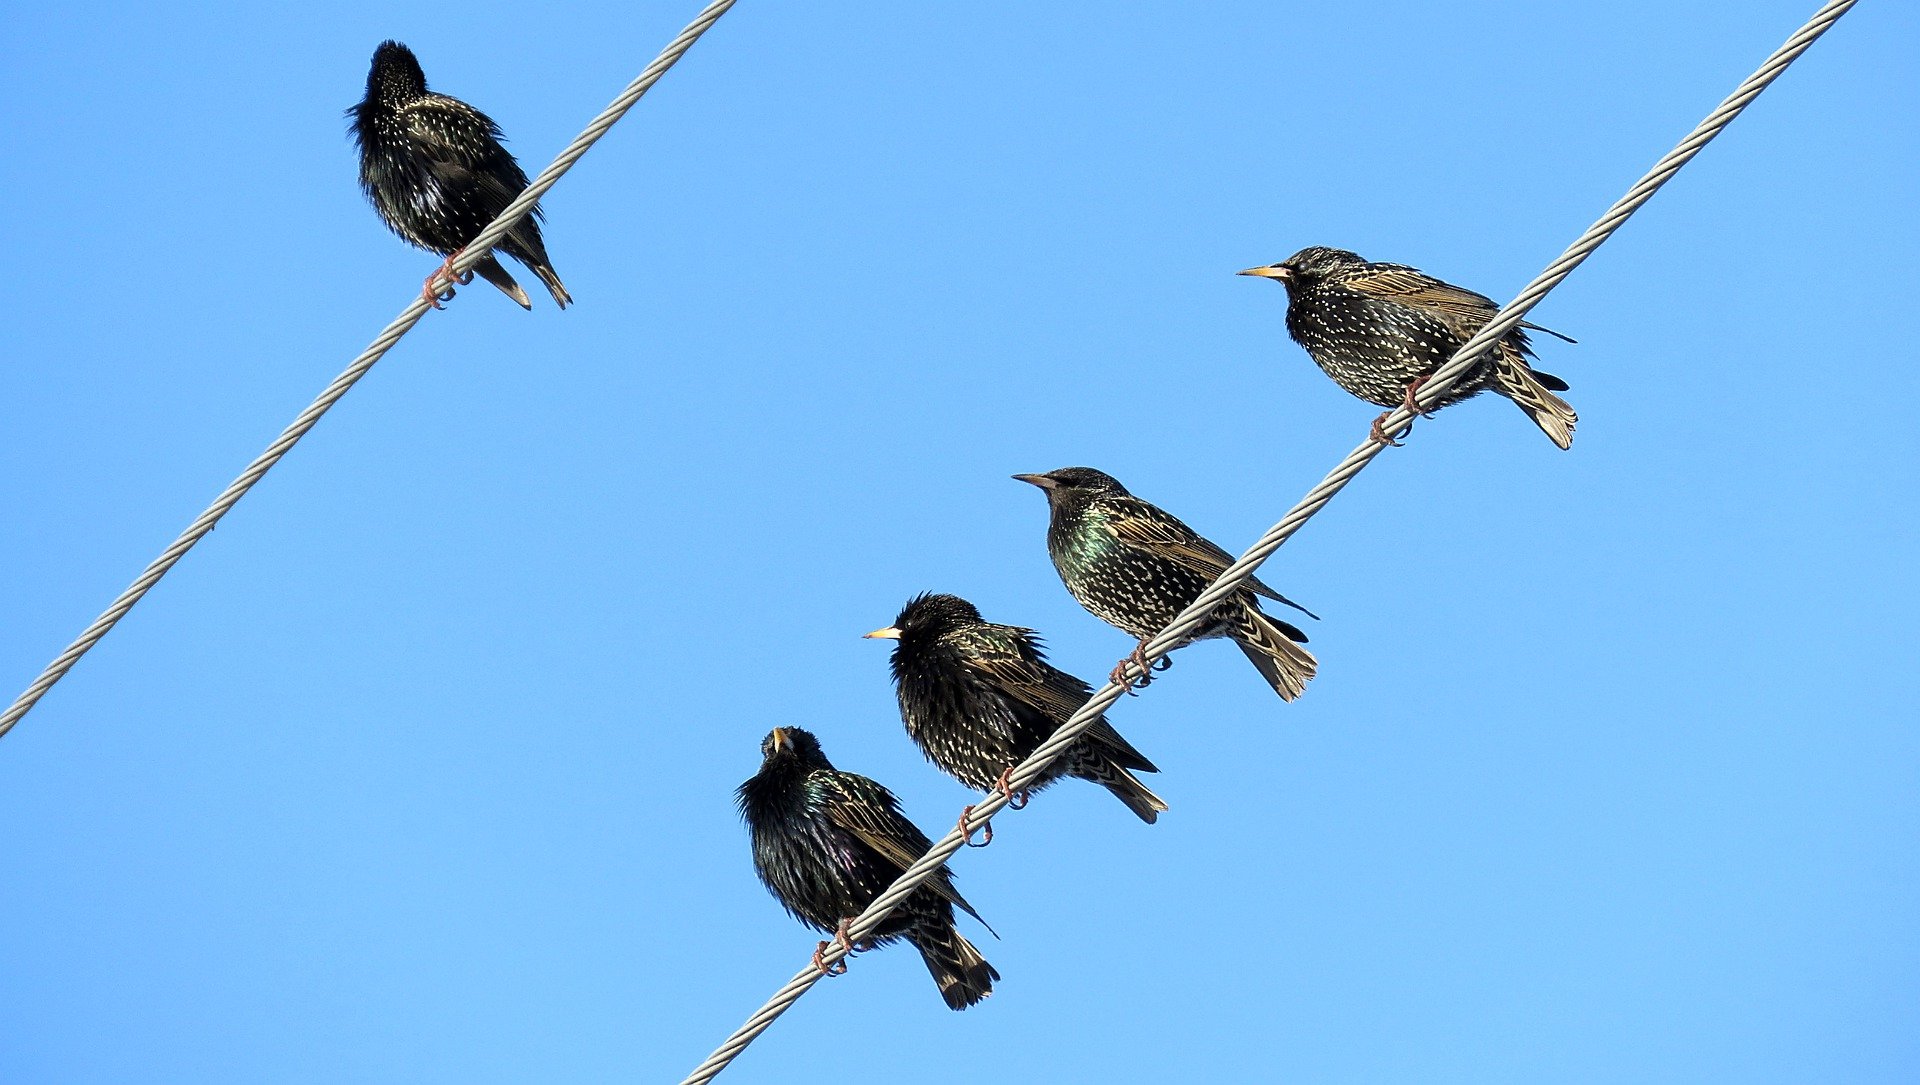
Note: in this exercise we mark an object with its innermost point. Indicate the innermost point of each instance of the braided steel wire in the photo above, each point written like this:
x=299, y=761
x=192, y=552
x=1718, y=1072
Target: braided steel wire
x=1237, y=574
x=475, y=251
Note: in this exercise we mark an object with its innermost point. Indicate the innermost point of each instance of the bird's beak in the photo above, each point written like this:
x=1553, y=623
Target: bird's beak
x=1041, y=481
x=889, y=633
x=1283, y=274
x=779, y=739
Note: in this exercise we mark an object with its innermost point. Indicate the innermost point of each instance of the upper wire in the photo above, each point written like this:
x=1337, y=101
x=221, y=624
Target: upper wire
x=475, y=251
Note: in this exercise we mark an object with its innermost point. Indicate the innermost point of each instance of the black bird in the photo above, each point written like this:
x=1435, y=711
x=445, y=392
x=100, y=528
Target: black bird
x=826, y=843
x=434, y=169
x=1380, y=330
x=1137, y=567
x=978, y=698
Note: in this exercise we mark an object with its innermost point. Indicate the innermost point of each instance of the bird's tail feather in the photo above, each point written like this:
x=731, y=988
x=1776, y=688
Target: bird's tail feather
x=490, y=270
x=554, y=286
x=1286, y=666
x=1554, y=416
x=1552, y=382
x=1089, y=761
x=1144, y=803
x=1108, y=746
x=963, y=975
x=1562, y=336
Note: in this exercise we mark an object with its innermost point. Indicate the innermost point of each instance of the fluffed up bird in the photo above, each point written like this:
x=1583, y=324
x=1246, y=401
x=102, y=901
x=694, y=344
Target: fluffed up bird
x=978, y=698
x=1380, y=330
x=826, y=843
x=1137, y=567
x=434, y=169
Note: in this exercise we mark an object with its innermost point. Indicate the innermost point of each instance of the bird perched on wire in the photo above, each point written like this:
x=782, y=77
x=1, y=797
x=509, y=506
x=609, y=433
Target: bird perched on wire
x=978, y=698
x=826, y=843
x=1137, y=567
x=1380, y=330
x=434, y=169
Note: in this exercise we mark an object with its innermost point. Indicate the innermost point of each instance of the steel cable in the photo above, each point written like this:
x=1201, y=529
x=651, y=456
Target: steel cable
x=1236, y=574
x=475, y=251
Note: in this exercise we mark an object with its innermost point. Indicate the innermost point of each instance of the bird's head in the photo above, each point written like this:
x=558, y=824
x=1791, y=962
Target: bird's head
x=792, y=744
x=1074, y=482
x=928, y=614
x=1307, y=266
x=395, y=77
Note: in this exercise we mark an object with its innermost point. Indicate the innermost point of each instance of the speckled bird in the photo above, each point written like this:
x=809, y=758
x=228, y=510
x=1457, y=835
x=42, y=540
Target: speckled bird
x=826, y=843
x=1137, y=567
x=1380, y=330
x=978, y=698
x=434, y=169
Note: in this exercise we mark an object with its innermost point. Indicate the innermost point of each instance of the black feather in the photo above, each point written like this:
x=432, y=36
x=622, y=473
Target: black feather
x=434, y=169
x=978, y=698
x=826, y=843
x=1376, y=328
x=1137, y=567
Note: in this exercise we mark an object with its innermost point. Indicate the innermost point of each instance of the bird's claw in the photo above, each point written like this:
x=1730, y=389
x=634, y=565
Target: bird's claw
x=837, y=968
x=1413, y=405
x=1379, y=435
x=1016, y=800
x=1379, y=432
x=444, y=271
x=1137, y=659
x=966, y=833
x=840, y=935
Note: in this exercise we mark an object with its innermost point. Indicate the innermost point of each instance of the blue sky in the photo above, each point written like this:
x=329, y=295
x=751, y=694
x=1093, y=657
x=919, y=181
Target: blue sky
x=420, y=767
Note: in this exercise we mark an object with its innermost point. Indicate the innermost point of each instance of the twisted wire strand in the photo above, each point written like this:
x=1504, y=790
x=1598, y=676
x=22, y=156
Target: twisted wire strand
x=475, y=251
x=1236, y=575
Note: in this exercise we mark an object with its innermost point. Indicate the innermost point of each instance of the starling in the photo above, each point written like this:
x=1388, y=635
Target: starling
x=434, y=169
x=826, y=843
x=979, y=698
x=1380, y=330
x=1137, y=567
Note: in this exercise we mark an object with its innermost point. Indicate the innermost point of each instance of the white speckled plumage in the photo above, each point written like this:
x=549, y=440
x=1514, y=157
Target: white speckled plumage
x=1376, y=327
x=1136, y=567
x=978, y=698
x=435, y=171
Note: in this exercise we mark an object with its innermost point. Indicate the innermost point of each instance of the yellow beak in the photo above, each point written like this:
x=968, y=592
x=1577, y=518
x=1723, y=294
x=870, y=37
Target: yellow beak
x=779, y=739
x=1275, y=272
x=889, y=633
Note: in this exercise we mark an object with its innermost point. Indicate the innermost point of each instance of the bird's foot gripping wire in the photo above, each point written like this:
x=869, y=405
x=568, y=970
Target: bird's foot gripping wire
x=1392, y=440
x=966, y=834
x=1016, y=800
x=444, y=271
x=1138, y=659
x=1379, y=434
x=839, y=967
x=1413, y=405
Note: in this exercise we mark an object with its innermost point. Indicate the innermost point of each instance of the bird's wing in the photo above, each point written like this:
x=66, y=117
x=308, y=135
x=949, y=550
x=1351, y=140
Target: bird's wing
x=451, y=131
x=1464, y=311
x=1408, y=286
x=459, y=140
x=1026, y=676
x=1157, y=532
x=872, y=814
x=1012, y=660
